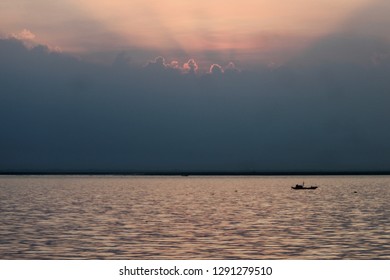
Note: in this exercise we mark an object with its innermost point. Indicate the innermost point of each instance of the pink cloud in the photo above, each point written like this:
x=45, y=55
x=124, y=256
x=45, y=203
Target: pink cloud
x=23, y=35
x=190, y=67
x=231, y=67
x=216, y=69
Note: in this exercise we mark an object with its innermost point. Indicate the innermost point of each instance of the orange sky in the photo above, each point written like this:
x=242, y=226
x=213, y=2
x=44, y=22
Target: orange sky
x=245, y=26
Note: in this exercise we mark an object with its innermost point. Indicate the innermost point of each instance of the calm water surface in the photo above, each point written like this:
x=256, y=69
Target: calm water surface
x=92, y=217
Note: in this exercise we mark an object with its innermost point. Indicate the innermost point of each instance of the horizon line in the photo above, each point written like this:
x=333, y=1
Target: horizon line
x=198, y=173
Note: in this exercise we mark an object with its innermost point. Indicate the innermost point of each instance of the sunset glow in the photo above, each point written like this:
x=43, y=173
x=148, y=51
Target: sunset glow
x=240, y=29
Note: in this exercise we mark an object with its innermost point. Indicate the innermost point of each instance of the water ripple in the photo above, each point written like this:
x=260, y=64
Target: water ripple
x=70, y=217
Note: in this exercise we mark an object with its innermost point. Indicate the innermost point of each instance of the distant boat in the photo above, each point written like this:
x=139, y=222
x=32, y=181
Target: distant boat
x=302, y=187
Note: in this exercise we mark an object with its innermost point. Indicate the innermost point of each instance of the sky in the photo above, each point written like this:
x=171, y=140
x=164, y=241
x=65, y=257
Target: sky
x=248, y=31
x=210, y=86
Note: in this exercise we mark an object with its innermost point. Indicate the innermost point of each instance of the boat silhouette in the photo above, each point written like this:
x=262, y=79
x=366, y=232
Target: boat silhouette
x=302, y=187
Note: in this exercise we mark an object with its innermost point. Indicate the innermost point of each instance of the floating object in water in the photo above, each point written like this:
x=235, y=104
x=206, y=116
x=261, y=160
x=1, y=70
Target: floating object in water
x=302, y=187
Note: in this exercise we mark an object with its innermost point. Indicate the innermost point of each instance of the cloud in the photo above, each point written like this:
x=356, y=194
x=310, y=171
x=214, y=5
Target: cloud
x=160, y=64
x=29, y=40
x=231, y=67
x=372, y=20
x=190, y=67
x=175, y=64
x=157, y=63
x=216, y=69
x=320, y=111
x=25, y=34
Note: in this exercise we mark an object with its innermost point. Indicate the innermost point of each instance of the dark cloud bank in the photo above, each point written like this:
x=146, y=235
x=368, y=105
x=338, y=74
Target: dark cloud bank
x=325, y=110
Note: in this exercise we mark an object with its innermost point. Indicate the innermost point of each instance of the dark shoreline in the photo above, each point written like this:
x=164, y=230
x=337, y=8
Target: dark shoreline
x=184, y=174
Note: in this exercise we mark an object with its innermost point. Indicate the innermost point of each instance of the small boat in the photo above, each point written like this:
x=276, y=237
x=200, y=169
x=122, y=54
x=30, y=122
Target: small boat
x=302, y=187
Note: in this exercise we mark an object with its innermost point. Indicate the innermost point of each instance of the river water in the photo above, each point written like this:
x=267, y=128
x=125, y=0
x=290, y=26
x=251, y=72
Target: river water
x=130, y=217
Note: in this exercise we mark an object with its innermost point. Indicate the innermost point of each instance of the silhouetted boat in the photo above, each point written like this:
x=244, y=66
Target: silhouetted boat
x=302, y=187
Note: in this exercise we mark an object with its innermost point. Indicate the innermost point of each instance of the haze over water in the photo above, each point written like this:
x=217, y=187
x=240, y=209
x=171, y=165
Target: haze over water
x=104, y=217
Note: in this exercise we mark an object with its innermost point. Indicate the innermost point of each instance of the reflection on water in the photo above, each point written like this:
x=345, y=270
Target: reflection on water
x=69, y=217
